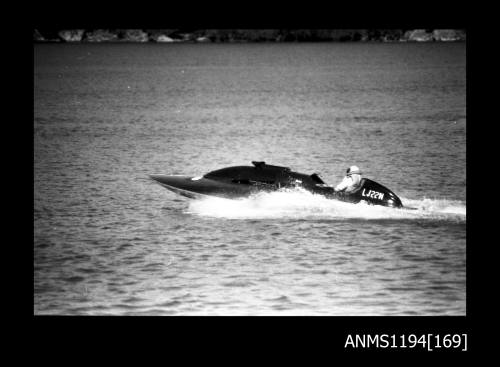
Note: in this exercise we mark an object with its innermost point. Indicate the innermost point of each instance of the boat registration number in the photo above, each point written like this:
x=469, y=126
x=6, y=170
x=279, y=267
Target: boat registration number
x=373, y=194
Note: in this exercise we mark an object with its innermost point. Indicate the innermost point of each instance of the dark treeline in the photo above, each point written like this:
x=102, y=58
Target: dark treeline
x=248, y=35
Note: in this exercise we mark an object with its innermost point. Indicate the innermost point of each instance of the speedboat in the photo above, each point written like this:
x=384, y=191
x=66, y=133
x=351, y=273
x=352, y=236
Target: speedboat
x=242, y=181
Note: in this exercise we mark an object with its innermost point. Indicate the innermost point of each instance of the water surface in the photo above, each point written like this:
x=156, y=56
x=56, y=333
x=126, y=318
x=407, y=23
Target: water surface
x=109, y=241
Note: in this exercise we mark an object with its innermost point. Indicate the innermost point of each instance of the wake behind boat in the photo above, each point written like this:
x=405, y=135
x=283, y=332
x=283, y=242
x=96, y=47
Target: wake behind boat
x=243, y=181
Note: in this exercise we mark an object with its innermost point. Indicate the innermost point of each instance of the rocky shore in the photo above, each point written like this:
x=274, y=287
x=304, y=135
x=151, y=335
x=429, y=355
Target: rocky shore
x=248, y=35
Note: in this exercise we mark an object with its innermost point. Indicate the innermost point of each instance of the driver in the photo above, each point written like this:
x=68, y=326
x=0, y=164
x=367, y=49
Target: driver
x=351, y=180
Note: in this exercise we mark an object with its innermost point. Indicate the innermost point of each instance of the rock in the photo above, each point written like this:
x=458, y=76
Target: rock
x=183, y=37
x=37, y=36
x=134, y=35
x=418, y=35
x=46, y=35
x=154, y=34
x=448, y=35
x=100, y=35
x=73, y=35
x=163, y=38
x=392, y=35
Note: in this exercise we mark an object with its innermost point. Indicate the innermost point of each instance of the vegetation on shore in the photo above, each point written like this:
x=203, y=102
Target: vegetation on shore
x=249, y=35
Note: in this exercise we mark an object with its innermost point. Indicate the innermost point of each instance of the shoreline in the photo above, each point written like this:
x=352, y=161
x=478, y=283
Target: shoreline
x=246, y=36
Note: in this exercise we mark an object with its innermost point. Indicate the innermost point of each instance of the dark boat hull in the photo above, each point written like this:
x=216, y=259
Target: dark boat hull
x=242, y=181
x=193, y=187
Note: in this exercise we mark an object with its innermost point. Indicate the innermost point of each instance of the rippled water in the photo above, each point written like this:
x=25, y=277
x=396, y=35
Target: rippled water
x=109, y=241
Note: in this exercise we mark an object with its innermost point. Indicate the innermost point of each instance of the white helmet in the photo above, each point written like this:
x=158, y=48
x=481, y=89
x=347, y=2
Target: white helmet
x=353, y=170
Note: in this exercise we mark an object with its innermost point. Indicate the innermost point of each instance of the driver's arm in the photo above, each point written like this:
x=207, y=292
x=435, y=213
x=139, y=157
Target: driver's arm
x=344, y=184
